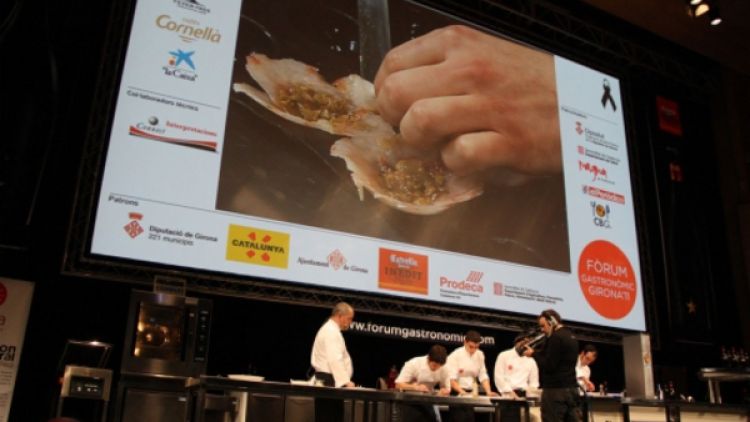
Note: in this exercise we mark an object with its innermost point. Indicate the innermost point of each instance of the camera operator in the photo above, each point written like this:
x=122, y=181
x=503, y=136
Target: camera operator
x=557, y=362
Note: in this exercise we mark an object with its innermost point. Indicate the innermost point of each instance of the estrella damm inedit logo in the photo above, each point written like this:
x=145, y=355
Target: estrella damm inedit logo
x=257, y=246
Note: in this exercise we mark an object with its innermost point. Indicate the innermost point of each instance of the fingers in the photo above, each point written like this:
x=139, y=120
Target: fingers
x=433, y=121
x=472, y=152
x=423, y=51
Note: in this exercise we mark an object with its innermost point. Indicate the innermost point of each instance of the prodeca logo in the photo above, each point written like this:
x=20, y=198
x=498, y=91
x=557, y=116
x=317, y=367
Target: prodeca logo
x=471, y=284
x=257, y=246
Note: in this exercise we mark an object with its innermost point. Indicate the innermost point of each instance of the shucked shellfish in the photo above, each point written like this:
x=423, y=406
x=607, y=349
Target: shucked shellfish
x=297, y=92
x=404, y=178
x=410, y=180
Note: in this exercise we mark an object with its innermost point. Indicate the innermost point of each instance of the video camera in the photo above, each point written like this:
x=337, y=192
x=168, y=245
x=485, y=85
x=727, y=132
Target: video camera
x=536, y=337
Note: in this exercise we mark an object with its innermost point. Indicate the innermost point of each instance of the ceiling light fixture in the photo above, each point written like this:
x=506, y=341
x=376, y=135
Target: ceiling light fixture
x=714, y=16
x=697, y=8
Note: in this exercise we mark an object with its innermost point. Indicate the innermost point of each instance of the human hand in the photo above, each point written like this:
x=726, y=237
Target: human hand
x=528, y=351
x=444, y=391
x=484, y=101
x=421, y=387
x=349, y=385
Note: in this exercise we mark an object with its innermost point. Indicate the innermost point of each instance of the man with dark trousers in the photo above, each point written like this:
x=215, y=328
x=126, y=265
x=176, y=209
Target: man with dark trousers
x=331, y=361
x=557, y=368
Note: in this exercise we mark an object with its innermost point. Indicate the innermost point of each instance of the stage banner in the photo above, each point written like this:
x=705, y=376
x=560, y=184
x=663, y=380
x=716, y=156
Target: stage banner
x=15, y=303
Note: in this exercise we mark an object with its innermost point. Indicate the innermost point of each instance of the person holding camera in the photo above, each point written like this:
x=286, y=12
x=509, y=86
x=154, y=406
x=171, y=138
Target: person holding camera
x=557, y=367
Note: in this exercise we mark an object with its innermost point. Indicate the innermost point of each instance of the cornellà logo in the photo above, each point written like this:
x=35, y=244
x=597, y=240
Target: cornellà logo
x=133, y=228
x=257, y=246
x=188, y=30
x=402, y=271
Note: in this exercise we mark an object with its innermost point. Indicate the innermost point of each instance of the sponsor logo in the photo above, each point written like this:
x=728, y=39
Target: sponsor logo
x=193, y=6
x=525, y=293
x=497, y=289
x=597, y=138
x=180, y=65
x=402, y=271
x=579, y=127
x=335, y=260
x=189, y=30
x=471, y=285
x=598, y=155
x=603, y=194
x=3, y=297
x=155, y=132
x=133, y=228
x=601, y=214
x=256, y=246
x=598, y=173
x=607, y=279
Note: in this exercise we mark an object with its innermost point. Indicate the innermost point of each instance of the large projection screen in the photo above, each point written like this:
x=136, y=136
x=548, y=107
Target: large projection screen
x=284, y=174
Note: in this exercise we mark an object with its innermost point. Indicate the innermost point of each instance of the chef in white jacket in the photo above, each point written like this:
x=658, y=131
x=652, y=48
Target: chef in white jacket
x=466, y=366
x=329, y=356
x=331, y=361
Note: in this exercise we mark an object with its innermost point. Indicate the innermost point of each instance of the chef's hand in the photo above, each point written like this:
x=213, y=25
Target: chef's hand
x=486, y=102
x=444, y=391
x=528, y=351
x=349, y=385
x=421, y=387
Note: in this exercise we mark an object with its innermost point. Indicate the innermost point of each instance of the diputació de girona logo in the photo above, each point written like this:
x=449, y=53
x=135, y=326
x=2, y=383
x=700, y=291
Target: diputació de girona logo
x=607, y=279
x=133, y=228
x=403, y=271
x=252, y=245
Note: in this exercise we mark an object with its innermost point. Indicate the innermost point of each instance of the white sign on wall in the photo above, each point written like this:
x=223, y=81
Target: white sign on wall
x=15, y=303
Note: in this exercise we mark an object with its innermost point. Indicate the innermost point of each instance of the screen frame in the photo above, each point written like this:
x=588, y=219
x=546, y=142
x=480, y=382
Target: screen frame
x=81, y=262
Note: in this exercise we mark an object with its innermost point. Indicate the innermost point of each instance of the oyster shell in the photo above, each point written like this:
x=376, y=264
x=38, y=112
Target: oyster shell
x=410, y=180
x=297, y=92
x=425, y=188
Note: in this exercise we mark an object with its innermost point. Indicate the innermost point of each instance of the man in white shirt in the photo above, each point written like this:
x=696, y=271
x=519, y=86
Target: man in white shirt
x=466, y=365
x=421, y=374
x=515, y=375
x=583, y=372
x=331, y=361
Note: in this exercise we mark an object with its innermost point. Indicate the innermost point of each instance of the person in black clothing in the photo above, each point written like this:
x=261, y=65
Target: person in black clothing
x=557, y=370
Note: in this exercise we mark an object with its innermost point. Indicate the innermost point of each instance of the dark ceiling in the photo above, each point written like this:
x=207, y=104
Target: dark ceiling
x=727, y=43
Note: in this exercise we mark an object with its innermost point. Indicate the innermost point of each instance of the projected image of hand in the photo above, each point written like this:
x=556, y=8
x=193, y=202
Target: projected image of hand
x=484, y=101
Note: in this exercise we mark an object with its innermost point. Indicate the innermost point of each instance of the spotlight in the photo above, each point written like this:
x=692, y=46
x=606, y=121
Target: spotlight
x=714, y=16
x=701, y=9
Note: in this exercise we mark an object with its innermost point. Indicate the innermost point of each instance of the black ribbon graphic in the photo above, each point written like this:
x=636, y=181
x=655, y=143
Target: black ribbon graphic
x=607, y=96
